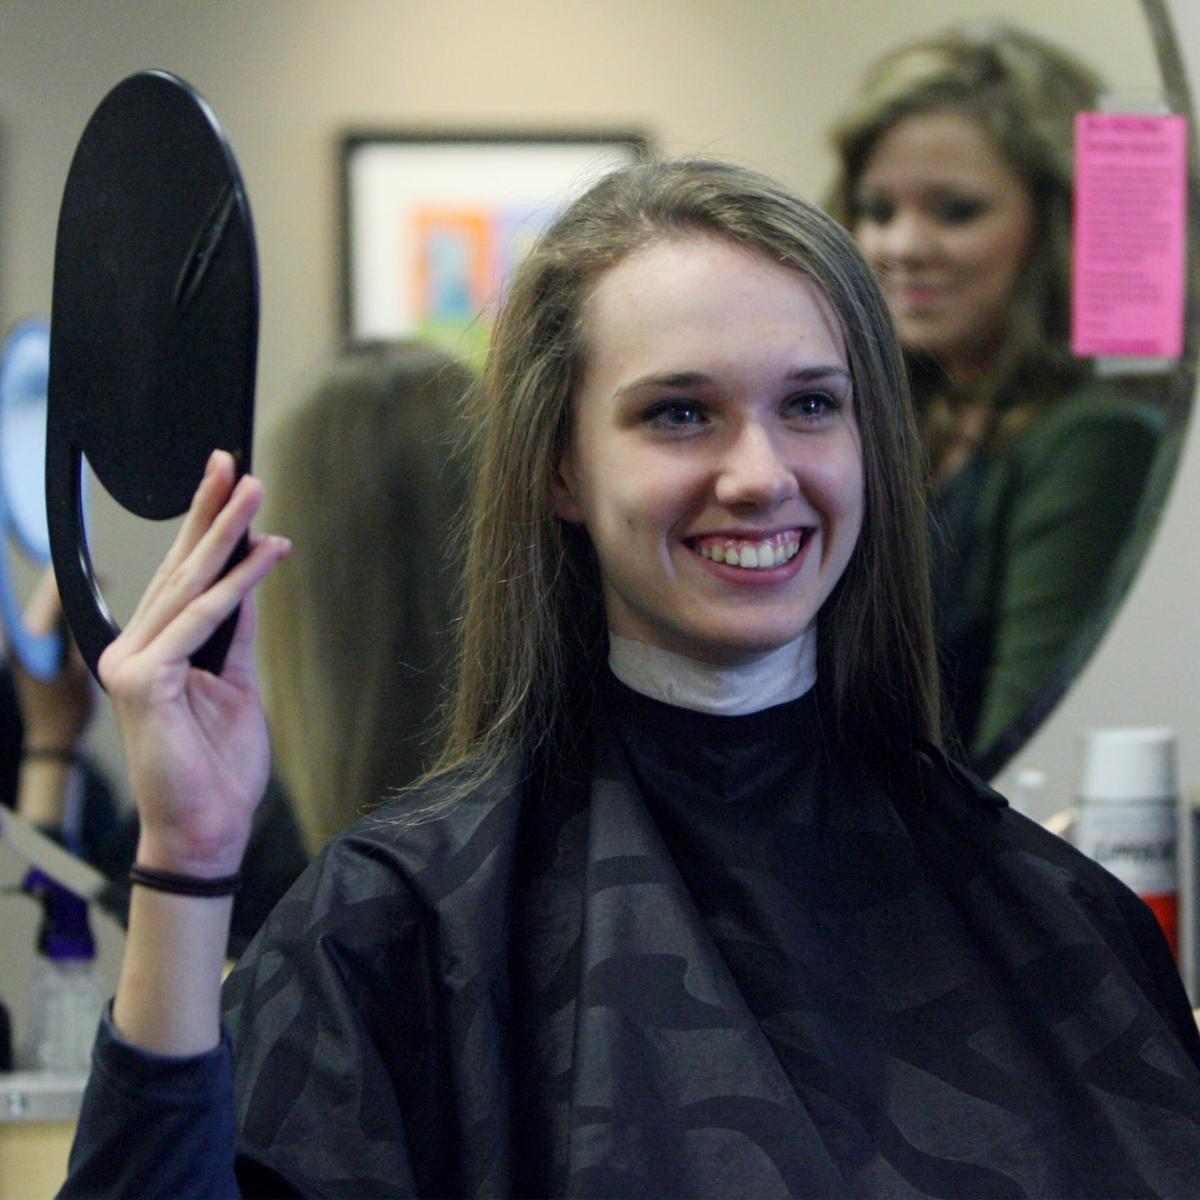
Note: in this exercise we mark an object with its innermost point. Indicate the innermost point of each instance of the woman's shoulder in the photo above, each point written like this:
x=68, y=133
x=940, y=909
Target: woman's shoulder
x=1012, y=840
x=969, y=804
x=435, y=827
x=406, y=861
x=407, y=907
x=1095, y=445
x=439, y=811
x=1120, y=916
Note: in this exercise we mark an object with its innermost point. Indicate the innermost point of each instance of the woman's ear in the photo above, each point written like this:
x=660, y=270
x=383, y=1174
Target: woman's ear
x=563, y=491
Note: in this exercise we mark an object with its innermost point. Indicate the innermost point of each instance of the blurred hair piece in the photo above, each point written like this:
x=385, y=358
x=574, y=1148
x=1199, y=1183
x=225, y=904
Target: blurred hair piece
x=356, y=642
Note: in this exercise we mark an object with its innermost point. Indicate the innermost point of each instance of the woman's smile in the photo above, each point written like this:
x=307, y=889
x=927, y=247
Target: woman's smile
x=750, y=552
x=714, y=456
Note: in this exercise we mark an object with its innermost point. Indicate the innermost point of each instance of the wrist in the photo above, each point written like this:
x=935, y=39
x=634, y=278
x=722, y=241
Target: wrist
x=173, y=856
x=206, y=887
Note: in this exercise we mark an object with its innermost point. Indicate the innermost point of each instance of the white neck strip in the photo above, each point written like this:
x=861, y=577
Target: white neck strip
x=685, y=682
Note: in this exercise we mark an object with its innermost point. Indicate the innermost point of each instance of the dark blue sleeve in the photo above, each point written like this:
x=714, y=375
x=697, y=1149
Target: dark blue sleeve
x=154, y=1126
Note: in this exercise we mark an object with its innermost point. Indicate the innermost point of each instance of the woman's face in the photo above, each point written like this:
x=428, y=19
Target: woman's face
x=947, y=225
x=714, y=455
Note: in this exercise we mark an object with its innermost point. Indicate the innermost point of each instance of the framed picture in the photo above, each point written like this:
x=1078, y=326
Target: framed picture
x=433, y=223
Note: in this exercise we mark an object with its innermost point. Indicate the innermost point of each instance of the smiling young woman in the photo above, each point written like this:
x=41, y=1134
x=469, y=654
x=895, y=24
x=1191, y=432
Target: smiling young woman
x=693, y=904
x=529, y=652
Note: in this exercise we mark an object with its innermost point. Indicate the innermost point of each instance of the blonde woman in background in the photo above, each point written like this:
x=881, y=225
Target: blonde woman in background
x=357, y=626
x=956, y=176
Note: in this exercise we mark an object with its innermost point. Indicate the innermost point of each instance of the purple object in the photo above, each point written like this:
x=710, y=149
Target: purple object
x=64, y=932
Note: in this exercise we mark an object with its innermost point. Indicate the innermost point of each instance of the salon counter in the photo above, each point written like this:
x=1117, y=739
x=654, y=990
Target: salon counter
x=37, y=1122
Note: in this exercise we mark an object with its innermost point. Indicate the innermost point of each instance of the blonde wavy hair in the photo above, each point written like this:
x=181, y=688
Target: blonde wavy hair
x=1023, y=93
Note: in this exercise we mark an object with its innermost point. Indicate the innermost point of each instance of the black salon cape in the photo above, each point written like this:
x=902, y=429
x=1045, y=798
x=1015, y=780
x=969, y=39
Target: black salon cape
x=531, y=995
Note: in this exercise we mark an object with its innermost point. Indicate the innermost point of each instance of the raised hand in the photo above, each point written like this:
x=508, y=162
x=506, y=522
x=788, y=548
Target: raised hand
x=196, y=743
x=196, y=746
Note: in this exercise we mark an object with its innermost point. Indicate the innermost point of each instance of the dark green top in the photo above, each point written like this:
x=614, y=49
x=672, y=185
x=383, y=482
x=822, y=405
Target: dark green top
x=1024, y=546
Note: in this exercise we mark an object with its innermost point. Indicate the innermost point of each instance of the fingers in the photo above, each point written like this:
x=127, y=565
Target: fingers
x=196, y=622
x=194, y=573
x=212, y=493
x=240, y=668
x=188, y=598
x=181, y=578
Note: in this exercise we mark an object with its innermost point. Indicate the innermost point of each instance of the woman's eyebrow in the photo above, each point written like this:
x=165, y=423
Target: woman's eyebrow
x=816, y=374
x=685, y=379
x=676, y=379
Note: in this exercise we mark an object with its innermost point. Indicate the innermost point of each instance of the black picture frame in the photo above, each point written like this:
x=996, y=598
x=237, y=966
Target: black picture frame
x=433, y=219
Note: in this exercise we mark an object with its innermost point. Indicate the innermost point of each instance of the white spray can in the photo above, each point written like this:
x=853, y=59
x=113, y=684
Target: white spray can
x=1128, y=804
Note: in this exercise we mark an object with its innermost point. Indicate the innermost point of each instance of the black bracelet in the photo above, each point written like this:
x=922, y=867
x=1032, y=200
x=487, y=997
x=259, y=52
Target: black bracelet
x=51, y=754
x=184, y=885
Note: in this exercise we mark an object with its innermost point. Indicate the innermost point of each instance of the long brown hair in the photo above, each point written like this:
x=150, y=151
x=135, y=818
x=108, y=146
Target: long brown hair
x=356, y=642
x=533, y=626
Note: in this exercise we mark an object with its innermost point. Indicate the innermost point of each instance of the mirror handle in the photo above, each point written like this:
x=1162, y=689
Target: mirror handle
x=83, y=603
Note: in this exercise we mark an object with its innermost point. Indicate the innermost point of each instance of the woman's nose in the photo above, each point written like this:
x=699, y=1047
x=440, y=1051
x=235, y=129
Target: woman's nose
x=753, y=472
x=907, y=238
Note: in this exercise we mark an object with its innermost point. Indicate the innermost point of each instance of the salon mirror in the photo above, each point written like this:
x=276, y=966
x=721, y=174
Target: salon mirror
x=154, y=328
x=1162, y=388
x=24, y=371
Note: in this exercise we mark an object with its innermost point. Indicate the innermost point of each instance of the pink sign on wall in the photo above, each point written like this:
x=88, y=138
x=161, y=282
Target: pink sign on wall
x=1130, y=235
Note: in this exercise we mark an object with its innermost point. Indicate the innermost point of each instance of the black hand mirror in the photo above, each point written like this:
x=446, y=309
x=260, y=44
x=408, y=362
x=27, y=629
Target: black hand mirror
x=154, y=327
x=24, y=367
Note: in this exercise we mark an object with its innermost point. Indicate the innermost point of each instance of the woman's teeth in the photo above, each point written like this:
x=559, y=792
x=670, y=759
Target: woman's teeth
x=760, y=556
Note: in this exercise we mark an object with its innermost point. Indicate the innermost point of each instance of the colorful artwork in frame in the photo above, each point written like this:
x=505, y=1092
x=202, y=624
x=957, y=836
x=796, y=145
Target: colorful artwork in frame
x=435, y=223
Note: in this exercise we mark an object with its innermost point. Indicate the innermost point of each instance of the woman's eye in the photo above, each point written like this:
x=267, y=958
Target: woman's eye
x=675, y=414
x=959, y=210
x=811, y=406
x=874, y=209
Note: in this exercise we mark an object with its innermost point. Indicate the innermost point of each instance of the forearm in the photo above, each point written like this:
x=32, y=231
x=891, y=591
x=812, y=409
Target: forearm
x=168, y=996
x=169, y=992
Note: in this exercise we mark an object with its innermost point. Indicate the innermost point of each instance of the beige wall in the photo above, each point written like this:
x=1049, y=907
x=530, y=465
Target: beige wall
x=758, y=80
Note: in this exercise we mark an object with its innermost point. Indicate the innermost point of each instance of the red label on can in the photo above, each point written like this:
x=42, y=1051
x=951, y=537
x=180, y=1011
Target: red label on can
x=1166, y=908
